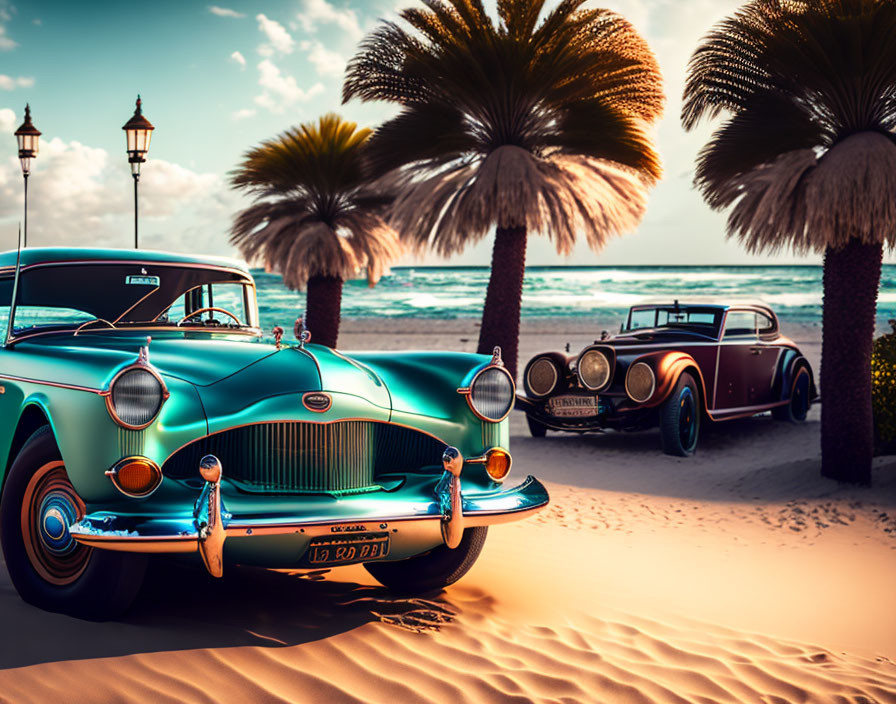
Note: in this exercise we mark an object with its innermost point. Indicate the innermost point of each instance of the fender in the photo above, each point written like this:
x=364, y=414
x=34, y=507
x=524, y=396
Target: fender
x=33, y=413
x=668, y=367
x=791, y=362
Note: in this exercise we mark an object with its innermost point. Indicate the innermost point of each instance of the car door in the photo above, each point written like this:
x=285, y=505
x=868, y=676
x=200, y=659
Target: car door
x=765, y=354
x=735, y=383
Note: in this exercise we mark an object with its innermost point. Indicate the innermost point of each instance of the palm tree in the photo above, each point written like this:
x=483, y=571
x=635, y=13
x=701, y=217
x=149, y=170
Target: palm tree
x=522, y=124
x=316, y=218
x=807, y=160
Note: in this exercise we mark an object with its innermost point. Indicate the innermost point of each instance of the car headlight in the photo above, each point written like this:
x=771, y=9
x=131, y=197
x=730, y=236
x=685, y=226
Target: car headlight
x=492, y=394
x=594, y=370
x=542, y=376
x=640, y=382
x=135, y=397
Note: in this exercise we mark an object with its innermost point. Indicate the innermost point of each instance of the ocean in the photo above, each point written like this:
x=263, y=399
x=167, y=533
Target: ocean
x=600, y=293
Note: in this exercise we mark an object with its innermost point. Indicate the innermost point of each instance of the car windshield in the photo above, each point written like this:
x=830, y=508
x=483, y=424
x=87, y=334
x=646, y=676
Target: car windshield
x=705, y=321
x=103, y=296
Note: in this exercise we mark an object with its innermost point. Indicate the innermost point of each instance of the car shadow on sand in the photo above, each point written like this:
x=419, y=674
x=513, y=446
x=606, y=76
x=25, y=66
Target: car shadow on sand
x=751, y=459
x=181, y=607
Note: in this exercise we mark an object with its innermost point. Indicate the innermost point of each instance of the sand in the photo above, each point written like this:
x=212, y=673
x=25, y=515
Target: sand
x=739, y=575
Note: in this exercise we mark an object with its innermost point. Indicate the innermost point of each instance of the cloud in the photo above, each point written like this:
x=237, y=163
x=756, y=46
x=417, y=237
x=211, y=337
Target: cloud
x=225, y=12
x=10, y=83
x=243, y=114
x=325, y=61
x=79, y=195
x=7, y=121
x=318, y=12
x=278, y=39
x=6, y=44
x=238, y=58
x=280, y=91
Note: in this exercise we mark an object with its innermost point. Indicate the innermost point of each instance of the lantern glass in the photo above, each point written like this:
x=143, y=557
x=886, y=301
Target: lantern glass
x=26, y=164
x=138, y=141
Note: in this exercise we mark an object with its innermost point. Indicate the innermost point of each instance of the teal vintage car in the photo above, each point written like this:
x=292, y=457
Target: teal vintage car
x=141, y=412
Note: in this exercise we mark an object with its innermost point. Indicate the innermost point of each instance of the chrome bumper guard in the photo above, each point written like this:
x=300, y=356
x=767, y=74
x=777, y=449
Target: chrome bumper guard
x=210, y=525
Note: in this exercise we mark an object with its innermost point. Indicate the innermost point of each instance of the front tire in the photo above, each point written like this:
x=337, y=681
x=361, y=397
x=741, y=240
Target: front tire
x=797, y=409
x=680, y=418
x=47, y=567
x=536, y=428
x=437, y=569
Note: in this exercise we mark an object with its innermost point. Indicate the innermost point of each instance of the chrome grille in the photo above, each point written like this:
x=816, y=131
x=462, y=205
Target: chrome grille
x=344, y=456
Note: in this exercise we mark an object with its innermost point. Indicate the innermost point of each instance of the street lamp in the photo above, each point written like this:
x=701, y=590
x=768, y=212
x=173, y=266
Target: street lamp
x=28, y=137
x=139, y=132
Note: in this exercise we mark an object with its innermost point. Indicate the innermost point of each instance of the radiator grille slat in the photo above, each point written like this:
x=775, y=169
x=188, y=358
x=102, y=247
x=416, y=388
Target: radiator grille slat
x=311, y=457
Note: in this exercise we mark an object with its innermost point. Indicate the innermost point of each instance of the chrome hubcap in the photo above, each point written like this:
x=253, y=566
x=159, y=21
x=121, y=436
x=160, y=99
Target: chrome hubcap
x=57, y=513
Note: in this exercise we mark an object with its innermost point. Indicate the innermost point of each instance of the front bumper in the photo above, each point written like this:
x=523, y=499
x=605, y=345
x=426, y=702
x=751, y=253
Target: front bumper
x=417, y=517
x=620, y=416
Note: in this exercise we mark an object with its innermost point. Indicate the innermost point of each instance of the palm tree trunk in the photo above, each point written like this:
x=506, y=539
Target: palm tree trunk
x=501, y=315
x=324, y=309
x=851, y=281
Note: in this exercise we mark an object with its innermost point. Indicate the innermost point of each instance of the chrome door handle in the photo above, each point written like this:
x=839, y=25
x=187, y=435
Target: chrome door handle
x=756, y=350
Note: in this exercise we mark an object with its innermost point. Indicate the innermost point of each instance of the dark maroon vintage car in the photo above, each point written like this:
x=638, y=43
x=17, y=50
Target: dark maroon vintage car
x=673, y=366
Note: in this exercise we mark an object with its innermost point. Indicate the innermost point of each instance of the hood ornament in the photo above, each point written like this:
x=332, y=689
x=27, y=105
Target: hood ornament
x=300, y=330
x=143, y=357
x=278, y=336
x=497, y=361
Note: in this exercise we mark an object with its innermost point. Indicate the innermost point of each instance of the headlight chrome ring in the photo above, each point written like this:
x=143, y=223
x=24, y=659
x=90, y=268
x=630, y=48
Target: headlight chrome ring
x=491, y=394
x=542, y=376
x=594, y=369
x=640, y=382
x=136, y=396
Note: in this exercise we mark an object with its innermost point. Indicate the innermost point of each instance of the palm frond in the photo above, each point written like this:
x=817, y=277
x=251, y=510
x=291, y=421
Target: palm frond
x=773, y=125
x=560, y=196
x=573, y=89
x=804, y=82
x=818, y=204
x=316, y=212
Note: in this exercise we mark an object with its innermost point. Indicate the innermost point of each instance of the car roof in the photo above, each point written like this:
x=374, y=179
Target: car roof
x=55, y=255
x=697, y=302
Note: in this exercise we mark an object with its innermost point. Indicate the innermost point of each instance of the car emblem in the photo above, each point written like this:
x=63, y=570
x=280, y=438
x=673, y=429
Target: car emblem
x=317, y=402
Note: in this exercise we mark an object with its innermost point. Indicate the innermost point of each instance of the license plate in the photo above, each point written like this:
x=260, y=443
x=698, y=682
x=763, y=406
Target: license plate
x=573, y=406
x=346, y=551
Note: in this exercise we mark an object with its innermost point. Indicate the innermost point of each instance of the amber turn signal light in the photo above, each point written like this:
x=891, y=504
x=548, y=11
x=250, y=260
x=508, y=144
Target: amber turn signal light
x=136, y=477
x=497, y=464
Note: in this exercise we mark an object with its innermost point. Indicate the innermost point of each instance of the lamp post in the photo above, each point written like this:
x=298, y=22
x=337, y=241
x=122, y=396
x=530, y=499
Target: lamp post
x=28, y=138
x=139, y=132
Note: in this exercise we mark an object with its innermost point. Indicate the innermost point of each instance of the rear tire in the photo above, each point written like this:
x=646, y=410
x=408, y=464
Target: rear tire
x=47, y=567
x=797, y=409
x=437, y=569
x=536, y=428
x=680, y=418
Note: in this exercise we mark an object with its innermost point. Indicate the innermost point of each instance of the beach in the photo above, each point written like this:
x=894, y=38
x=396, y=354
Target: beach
x=738, y=575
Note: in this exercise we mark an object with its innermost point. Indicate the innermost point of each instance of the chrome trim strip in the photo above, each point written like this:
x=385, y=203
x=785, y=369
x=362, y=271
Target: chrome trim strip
x=728, y=413
x=252, y=332
x=57, y=385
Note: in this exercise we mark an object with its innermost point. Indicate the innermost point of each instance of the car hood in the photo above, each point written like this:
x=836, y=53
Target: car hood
x=220, y=369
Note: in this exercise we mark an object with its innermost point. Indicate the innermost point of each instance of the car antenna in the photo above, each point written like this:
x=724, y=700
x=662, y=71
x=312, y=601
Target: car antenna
x=15, y=291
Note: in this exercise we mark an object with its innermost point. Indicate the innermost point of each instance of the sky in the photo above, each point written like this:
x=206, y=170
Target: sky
x=218, y=79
